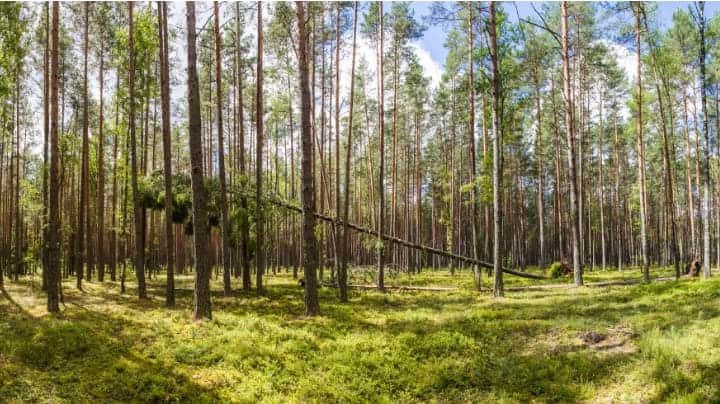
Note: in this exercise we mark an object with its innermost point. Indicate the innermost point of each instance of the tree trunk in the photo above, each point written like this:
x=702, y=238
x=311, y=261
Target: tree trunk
x=46, y=141
x=540, y=173
x=310, y=254
x=82, y=207
x=381, y=180
x=574, y=197
x=344, y=256
x=669, y=190
x=53, y=269
x=167, y=151
x=259, y=112
x=497, y=156
x=472, y=167
x=641, y=156
x=100, y=249
x=706, y=162
x=244, y=222
x=201, y=229
x=224, y=225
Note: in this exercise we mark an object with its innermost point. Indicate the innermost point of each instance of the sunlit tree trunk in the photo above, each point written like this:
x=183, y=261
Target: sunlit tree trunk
x=201, y=228
x=574, y=210
x=498, y=290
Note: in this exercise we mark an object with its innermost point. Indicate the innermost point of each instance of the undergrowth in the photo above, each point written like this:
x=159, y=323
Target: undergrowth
x=661, y=342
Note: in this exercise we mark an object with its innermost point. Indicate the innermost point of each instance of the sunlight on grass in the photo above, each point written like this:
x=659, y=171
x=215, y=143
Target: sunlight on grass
x=660, y=342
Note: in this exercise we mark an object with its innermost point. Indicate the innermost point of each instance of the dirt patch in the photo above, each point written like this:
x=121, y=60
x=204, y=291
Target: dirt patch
x=615, y=340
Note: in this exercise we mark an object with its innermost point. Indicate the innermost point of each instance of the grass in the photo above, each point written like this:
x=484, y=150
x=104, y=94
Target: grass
x=661, y=343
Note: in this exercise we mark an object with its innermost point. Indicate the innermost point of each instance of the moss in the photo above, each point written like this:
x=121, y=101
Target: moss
x=402, y=346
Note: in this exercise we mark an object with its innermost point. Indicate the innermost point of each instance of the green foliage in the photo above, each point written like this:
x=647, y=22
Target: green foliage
x=556, y=270
x=452, y=346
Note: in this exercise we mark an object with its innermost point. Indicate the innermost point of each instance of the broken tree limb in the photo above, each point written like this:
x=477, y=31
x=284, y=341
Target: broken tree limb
x=397, y=287
x=405, y=243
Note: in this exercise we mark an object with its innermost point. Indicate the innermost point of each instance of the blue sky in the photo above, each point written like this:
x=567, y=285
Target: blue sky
x=434, y=37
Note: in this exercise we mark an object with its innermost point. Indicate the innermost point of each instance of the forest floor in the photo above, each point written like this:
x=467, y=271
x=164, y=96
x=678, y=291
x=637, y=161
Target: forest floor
x=642, y=343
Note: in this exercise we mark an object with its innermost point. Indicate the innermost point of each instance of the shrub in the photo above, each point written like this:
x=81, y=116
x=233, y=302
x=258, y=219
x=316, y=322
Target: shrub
x=557, y=269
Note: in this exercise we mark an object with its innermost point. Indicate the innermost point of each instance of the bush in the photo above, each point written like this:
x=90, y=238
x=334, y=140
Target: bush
x=557, y=269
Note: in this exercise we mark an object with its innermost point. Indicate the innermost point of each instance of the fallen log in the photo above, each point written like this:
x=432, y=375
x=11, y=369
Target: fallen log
x=589, y=285
x=398, y=287
x=405, y=243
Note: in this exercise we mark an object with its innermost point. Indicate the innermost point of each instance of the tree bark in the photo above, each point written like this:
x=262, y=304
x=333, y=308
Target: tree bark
x=669, y=189
x=224, y=225
x=259, y=112
x=244, y=222
x=167, y=151
x=53, y=270
x=201, y=229
x=574, y=197
x=706, y=162
x=641, y=156
x=137, y=207
x=497, y=156
x=310, y=253
x=381, y=180
x=344, y=255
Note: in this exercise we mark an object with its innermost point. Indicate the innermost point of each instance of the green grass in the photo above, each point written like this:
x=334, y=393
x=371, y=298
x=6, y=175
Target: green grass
x=662, y=344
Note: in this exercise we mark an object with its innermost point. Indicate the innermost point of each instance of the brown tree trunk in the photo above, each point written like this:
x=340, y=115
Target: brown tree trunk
x=497, y=156
x=224, y=225
x=540, y=173
x=669, y=190
x=167, y=151
x=472, y=167
x=310, y=254
x=344, y=256
x=53, y=269
x=259, y=112
x=244, y=223
x=641, y=156
x=137, y=207
x=201, y=228
x=706, y=162
x=46, y=141
x=381, y=175
x=100, y=249
x=82, y=207
x=574, y=197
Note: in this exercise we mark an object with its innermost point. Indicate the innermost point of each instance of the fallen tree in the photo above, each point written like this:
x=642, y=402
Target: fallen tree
x=405, y=243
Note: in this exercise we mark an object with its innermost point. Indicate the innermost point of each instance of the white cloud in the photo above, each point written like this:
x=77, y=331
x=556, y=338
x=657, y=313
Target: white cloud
x=430, y=66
